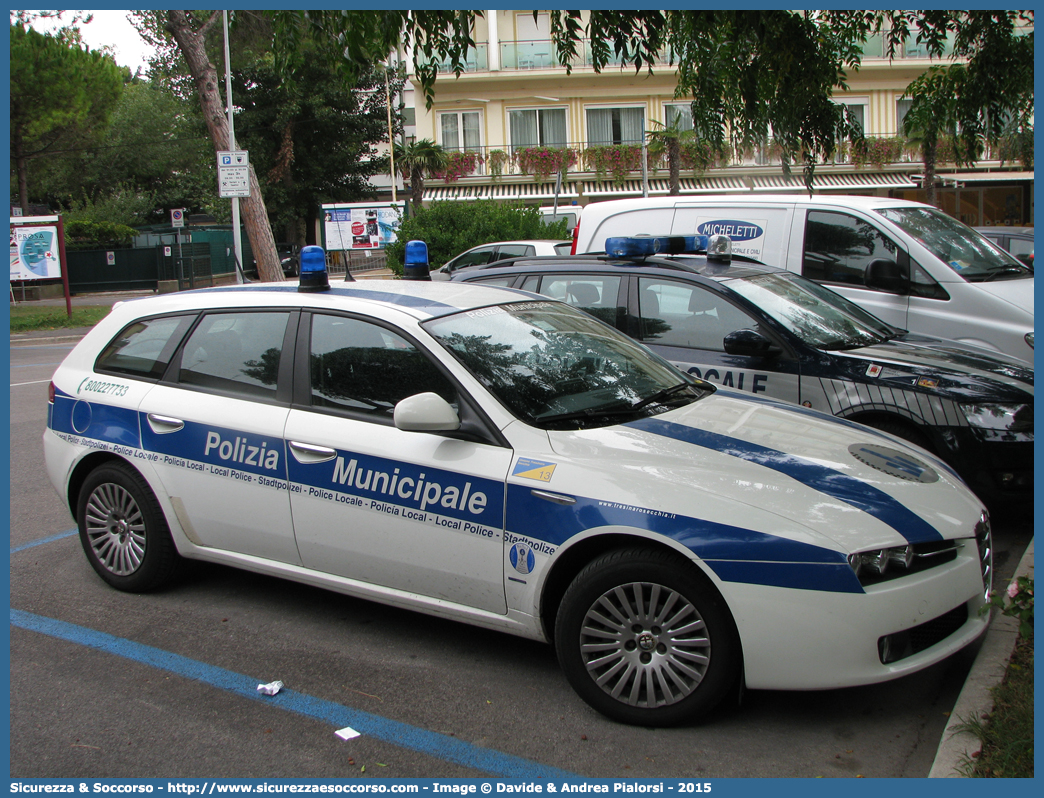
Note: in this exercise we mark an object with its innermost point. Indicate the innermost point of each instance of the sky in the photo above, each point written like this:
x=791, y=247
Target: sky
x=108, y=28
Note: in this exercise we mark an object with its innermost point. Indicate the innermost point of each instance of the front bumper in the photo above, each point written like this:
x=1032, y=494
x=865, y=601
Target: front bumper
x=810, y=640
x=997, y=466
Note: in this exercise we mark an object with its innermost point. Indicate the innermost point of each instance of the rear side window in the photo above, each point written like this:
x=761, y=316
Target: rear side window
x=144, y=348
x=502, y=281
x=592, y=293
x=235, y=353
x=479, y=257
x=1022, y=249
x=515, y=250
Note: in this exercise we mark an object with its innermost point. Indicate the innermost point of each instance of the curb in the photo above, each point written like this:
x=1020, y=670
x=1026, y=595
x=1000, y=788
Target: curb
x=976, y=698
x=44, y=338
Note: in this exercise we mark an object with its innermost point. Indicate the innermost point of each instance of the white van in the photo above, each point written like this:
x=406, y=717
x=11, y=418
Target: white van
x=906, y=262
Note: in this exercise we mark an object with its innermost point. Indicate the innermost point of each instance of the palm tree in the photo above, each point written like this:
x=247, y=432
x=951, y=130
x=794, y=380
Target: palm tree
x=672, y=141
x=932, y=114
x=416, y=159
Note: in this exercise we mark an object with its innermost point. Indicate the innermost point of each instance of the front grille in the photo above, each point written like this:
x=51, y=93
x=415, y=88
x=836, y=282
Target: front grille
x=900, y=645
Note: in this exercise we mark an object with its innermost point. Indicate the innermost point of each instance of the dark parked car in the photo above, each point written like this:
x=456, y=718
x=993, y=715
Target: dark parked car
x=769, y=333
x=289, y=258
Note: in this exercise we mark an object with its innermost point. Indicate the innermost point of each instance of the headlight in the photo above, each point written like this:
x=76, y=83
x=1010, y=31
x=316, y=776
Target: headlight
x=1013, y=418
x=877, y=565
x=1029, y=339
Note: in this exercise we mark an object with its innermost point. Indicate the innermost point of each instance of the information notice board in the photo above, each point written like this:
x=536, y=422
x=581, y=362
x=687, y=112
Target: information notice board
x=361, y=226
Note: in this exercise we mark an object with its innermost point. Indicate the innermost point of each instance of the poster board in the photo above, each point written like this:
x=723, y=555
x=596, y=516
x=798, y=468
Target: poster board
x=361, y=225
x=35, y=249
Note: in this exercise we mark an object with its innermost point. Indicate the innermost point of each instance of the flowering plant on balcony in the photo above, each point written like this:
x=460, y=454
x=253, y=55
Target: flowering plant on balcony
x=458, y=165
x=699, y=156
x=496, y=160
x=878, y=151
x=617, y=160
x=542, y=162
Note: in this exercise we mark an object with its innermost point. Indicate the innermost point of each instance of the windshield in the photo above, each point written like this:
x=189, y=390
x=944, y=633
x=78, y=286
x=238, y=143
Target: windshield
x=815, y=314
x=557, y=368
x=955, y=244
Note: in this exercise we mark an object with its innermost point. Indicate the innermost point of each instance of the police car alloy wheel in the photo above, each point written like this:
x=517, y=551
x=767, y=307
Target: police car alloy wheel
x=123, y=531
x=645, y=639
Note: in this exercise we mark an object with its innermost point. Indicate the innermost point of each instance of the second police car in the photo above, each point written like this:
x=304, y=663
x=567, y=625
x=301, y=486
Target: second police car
x=767, y=332
x=510, y=462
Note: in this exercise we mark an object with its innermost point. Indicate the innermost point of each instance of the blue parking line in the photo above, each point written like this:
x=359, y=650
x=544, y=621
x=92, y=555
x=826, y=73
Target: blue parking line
x=449, y=749
x=42, y=541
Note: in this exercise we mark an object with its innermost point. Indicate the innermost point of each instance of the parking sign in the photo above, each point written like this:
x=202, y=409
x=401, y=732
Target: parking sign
x=233, y=173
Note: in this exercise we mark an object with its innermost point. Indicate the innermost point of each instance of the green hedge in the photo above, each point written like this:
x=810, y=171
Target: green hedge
x=450, y=227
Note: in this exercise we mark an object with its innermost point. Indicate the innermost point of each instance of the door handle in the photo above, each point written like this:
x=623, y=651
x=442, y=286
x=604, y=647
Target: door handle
x=554, y=498
x=308, y=453
x=162, y=425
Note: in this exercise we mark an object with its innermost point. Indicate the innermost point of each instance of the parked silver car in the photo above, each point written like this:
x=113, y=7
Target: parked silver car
x=487, y=253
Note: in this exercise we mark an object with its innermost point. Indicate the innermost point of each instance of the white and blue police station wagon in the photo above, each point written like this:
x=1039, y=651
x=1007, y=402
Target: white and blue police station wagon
x=768, y=332
x=511, y=462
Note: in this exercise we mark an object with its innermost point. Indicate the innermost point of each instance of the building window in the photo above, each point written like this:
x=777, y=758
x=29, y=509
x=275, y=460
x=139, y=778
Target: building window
x=538, y=127
x=858, y=112
x=678, y=114
x=461, y=130
x=902, y=108
x=615, y=126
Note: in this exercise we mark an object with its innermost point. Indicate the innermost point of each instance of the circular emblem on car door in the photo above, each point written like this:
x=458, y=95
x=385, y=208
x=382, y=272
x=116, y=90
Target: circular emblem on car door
x=522, y=559
x=893, y=462
x=81, y=416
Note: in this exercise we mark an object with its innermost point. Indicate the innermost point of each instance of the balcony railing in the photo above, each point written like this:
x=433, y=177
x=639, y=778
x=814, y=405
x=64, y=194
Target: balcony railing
x=624, y=161
x=533, y=54
x=476, y=61
x=540, y=54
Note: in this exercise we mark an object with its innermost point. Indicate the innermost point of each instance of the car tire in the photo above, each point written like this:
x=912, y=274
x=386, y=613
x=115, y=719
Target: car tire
x=645, y=638
x=123, y=530
x=905, y=431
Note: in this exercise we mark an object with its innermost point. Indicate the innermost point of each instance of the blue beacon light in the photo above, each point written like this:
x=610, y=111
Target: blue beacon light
x=314, y=276
x=416, y=266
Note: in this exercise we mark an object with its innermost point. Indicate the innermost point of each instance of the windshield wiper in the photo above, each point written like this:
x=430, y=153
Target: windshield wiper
x=1006, y=270
x=586, y=414
x=591, y=413
x=659, y=396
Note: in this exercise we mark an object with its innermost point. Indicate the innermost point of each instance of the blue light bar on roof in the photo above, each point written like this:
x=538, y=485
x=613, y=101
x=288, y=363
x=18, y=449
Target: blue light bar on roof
x=644, y=246
x=314, y=275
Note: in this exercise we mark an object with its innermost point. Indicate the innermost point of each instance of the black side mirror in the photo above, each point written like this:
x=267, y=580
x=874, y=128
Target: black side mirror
x=749, y=343
x=887, y=275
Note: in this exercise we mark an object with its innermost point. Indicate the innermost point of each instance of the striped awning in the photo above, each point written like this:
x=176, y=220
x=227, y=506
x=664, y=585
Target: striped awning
x=715, y=184
x=981, y=177
x=501, y=191
x=658, y=186
x=833, y=181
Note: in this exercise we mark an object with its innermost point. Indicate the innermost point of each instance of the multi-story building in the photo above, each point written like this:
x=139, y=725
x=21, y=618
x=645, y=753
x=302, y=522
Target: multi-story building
x=515, y=119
